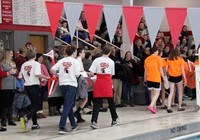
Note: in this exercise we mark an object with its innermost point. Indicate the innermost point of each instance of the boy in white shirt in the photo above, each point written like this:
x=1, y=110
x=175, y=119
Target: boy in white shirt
x=31, y=72
x=104, y=68
x=68, y=71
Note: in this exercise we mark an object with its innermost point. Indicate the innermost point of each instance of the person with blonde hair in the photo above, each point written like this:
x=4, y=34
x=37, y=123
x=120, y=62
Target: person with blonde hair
x=7, y=90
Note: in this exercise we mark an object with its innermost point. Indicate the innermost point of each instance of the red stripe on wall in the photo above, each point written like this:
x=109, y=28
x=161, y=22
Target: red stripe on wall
x=25, y=28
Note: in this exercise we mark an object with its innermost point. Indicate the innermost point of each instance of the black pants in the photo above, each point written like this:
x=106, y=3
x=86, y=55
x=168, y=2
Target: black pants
x=7, y=97
x=33, y=93
x=97, y=105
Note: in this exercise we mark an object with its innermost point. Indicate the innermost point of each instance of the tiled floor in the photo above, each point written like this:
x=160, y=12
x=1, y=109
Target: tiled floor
x=134, y=121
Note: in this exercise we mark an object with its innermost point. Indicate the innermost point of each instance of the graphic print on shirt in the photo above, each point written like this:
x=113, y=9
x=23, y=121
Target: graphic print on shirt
x=103, y=66
x=27, y=69
x=66, y=66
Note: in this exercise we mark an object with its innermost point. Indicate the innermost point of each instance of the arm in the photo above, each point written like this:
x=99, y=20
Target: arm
x=145, y=77
x=52, y=71
x=183, y=74
x=162, y=73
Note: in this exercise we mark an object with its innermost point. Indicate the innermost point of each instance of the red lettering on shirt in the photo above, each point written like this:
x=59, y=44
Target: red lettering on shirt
x=104, y=65
x=66, y=65
x=28, y=68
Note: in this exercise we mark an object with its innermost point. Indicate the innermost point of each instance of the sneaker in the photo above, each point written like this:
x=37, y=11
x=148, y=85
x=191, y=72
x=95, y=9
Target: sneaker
x=169, y=110
x=80, y=120
x=77, y=115
x=115, y=123
x=23, y=122
x=94, y=125
x=2, y=129
x=151, y=109
x=181, y=109
x=34, y=127
x=155, y=109
x=12, y=123
x=3, y=122
x=62, y=131
x=74, y=128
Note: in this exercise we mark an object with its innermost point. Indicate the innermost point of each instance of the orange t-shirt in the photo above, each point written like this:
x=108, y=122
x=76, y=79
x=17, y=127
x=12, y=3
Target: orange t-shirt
x=174, y=66
x=152, y=65
x=196, y=62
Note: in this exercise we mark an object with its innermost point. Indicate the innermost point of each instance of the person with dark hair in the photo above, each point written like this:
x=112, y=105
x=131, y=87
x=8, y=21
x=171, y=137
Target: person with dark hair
x=43, y=83
x=84, y=98
x=68, y=73
x=104, y=68
x=153, y=66
x=64, y=35
x=21, y=58
x=31, y=72
x=177, y=77
x=82, y=24
x=87, y=61
x=29, y=46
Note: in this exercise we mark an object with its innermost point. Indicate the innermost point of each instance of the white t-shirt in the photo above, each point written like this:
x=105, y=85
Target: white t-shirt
x=103, y=65
x=29, y=70
x=68, y=69
x=80, y=63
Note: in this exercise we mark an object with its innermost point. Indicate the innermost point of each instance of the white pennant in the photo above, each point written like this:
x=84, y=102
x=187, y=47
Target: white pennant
x=72, y=11
x=193, y=16
x=112, y=15
x=154, y=16
x=50, y=54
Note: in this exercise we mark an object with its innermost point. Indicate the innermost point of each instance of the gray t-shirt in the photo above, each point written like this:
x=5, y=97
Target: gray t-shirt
x=8, y=82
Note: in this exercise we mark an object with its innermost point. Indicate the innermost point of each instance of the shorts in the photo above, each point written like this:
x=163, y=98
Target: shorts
x=82, y=97
x=176, y=79
x=153, y=85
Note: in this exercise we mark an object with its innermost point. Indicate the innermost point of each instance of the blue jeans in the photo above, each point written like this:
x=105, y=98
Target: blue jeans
x=69, y=93
x=127, y=91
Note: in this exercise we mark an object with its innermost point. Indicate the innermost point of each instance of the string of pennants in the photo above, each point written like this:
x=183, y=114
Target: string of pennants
x=132, y=16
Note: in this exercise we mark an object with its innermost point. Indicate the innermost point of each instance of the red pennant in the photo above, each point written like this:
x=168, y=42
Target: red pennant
x=132, y=17
x=176, y=18
x=54, y=10
x=92, y=13
x=52, y=83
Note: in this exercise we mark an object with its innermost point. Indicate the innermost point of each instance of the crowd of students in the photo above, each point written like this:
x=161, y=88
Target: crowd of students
x=29, y=73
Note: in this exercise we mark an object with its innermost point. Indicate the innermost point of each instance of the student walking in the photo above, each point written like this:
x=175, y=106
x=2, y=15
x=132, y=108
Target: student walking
x=104, y=68
x=177, y=77
x=31, y=72
x=153, y=66
x=69, y=70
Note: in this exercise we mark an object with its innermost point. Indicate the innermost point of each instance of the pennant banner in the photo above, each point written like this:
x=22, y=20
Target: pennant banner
x=193, y=15
x=132, y=16
x=176, y=18
x=92, y=13
x=154, y=16
x=72, y=11
x=112, y=15
x=50, y=54
x=54, y=10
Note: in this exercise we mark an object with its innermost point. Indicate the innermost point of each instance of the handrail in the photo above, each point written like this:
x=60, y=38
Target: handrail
x=78, y=38
x=100, y=39
x=96, y=36
x=62, y=41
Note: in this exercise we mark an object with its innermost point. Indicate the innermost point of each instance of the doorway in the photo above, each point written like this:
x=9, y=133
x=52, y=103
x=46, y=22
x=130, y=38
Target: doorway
x=39, y=42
